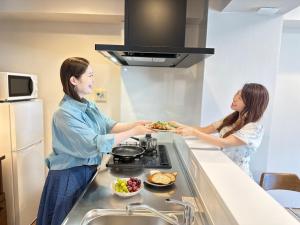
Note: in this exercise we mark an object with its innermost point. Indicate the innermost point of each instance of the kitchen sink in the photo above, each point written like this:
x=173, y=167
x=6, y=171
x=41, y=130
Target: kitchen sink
x=132, y=220
x=120, y=217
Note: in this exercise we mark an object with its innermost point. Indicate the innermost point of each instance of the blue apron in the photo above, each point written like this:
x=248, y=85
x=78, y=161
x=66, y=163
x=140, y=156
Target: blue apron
x=61, y=191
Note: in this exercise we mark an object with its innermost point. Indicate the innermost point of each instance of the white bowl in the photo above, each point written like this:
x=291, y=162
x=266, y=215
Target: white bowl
x=124, y=194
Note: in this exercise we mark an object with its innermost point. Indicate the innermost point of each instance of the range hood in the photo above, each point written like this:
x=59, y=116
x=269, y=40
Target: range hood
x=155, y=36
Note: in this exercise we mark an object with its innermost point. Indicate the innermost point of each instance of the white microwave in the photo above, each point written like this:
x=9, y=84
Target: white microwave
x=17, y=86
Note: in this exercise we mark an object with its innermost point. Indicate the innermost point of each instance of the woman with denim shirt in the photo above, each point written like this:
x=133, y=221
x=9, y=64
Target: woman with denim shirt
x=80, y=135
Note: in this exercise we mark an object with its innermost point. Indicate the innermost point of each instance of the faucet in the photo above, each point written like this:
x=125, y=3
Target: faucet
x=135, y=206
x=189, y=211
x=188, y=217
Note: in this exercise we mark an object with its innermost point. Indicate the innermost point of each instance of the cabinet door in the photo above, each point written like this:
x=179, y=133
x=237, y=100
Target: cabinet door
x=29, y=178
x=26, y=123
x=3, y=219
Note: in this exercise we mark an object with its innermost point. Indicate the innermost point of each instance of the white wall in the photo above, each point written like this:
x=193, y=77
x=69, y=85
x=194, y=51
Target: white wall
x=284, y=142
x=113, y=7
x=97, y=7
x=247, y=50
x=41, y=47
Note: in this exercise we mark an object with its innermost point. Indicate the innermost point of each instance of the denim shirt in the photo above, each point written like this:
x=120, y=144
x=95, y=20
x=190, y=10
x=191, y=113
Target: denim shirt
x=80, y=135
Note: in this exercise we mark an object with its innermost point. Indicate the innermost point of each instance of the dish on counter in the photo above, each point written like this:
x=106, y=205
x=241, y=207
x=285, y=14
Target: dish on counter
x=157, y=178
x=127, y=187
x=162, y=126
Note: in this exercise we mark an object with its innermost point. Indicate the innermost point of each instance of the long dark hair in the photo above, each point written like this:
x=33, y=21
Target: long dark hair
x=256, y=99
x=74, y=66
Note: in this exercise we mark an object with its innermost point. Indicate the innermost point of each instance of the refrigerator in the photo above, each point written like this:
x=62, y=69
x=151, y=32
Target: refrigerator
x=22, y=143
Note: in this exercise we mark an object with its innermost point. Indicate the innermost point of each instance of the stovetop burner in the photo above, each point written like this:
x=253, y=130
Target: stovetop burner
x=157, y=158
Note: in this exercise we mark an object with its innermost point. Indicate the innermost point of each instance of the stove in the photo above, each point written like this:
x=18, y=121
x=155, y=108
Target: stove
x=157, y=159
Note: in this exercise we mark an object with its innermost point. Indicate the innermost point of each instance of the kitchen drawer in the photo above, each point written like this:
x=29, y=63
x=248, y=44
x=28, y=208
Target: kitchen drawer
x=3, y=219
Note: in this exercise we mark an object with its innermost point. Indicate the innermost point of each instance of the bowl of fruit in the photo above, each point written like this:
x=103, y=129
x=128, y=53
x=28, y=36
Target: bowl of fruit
x=127, y=187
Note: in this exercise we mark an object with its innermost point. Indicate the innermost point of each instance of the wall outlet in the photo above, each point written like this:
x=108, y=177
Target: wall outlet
x=100, y=95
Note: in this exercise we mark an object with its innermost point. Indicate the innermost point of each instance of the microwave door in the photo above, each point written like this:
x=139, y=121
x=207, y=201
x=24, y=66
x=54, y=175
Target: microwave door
x=20, y=86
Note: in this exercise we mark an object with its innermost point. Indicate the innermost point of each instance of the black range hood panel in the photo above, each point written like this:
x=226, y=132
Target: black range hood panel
x=155, y=35
x=154, y=56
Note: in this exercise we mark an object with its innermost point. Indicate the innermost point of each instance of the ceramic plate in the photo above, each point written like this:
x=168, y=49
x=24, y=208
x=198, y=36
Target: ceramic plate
x=158, y=130
x=157, y=185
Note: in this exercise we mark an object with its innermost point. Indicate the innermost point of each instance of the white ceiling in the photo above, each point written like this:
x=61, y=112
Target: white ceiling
x=293, y=15
x=253, y=5
x=292, y=19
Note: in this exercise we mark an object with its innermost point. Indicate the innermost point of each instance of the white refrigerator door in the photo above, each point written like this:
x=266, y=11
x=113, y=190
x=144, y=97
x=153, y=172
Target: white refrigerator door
x=26, y=123
x=29, y=178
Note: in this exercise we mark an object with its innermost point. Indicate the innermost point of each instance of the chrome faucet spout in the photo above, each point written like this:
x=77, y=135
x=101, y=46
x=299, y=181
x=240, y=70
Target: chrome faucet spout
x=189, y=211
x=188, y=217
x=131, y=206
x=138, y=206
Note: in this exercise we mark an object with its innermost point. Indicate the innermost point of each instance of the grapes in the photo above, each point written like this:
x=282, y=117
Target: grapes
x=131, y=185
x=120, y=186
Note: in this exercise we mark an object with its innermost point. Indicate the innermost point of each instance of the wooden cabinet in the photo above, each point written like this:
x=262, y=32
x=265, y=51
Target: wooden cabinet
x=3, y=219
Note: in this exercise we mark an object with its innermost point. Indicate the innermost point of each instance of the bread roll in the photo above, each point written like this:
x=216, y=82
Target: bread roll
x=159, y=178
x=162, y=178
x=171, y=176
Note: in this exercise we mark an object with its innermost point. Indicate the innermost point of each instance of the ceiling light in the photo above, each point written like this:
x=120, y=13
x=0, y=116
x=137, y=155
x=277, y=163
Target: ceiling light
x=267, y=10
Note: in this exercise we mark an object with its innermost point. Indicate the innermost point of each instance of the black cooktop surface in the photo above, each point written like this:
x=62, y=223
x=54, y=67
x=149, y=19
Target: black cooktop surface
x=158, y=159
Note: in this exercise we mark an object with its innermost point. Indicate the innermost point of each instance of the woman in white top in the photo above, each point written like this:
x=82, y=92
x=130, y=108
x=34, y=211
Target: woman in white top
x=240, y=133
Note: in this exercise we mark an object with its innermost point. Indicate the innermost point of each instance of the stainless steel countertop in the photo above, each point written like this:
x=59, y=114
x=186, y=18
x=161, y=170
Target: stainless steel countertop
x=98, y=194
x=295, y=212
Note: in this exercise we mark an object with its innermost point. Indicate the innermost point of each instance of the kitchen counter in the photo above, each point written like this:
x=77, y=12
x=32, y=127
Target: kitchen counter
x=195, y=143
x=98, y=194
x=228, y=194
x=295, y=212
x=224, y=194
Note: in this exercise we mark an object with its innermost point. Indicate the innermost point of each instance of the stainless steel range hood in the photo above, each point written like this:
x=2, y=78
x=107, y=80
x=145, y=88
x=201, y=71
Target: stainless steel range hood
x=155, y=36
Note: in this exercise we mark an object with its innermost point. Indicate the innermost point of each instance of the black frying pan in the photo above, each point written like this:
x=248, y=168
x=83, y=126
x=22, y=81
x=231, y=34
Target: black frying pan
x=135, y=138
x=127, y=152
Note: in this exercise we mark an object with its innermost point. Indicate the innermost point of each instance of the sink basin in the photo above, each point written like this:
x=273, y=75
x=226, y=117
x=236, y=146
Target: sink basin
x=119, y=217
x=132, y=220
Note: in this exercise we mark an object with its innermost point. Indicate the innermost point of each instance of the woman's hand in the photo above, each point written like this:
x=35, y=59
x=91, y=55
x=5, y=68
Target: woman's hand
x=133, y=131
x=141, y=130
x=186, y=131
x=176, y=124
x=142, y=122
x=121, y=127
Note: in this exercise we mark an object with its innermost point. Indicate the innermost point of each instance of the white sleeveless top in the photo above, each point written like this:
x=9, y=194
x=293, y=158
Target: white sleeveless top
x=251, y=134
